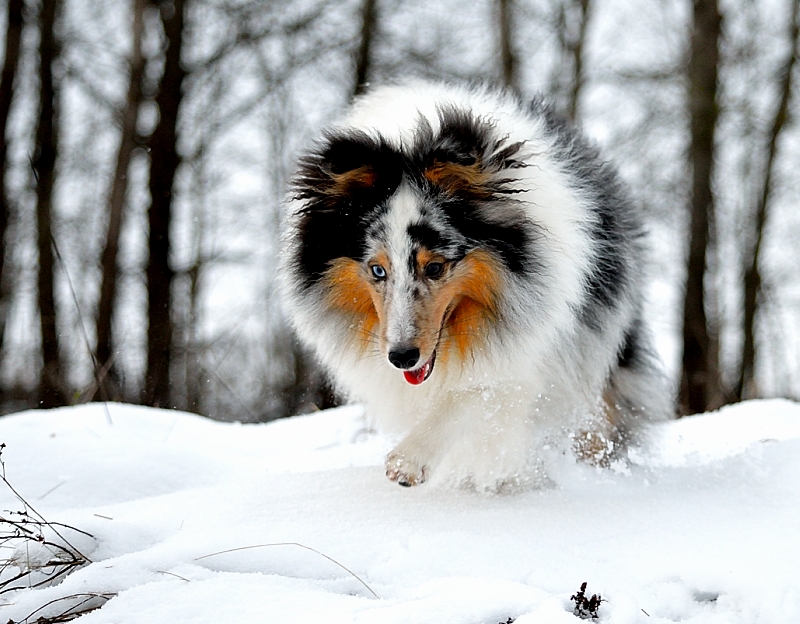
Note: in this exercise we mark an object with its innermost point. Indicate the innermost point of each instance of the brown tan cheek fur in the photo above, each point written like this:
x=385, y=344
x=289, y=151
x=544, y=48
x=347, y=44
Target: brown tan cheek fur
x=351, y=291
x=471, y=295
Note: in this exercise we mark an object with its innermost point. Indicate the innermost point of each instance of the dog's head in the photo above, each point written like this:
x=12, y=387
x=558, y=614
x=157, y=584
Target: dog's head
x=414, y=245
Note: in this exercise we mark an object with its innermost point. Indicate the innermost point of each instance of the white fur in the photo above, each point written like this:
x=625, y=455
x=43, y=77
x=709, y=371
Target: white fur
x=479, y=423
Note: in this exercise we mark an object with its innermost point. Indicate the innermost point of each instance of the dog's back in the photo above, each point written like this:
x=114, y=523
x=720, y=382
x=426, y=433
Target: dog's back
x=470, y=269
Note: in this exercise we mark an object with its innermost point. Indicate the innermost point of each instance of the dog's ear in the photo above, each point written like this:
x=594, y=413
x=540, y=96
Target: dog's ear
x=454, y=162
x=469, y=181
x=465, y=158
x=352, y=169
x=347, y=154
x=354, y=166
x=341, y=183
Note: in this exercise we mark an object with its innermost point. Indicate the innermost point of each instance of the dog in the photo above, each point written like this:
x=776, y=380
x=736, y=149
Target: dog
x=468, y=267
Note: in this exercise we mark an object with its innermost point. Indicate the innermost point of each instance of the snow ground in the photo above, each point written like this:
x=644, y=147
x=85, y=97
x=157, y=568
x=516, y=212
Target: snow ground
x=704, y=527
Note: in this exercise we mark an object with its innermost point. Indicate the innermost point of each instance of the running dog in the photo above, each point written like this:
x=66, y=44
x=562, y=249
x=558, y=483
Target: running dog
x=470, y=269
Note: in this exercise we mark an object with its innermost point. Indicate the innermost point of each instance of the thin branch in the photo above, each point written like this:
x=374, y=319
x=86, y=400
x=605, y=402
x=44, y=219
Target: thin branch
x=314, y=550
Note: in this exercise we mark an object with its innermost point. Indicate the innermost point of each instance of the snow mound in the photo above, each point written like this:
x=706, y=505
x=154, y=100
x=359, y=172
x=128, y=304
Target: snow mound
x=702, y=526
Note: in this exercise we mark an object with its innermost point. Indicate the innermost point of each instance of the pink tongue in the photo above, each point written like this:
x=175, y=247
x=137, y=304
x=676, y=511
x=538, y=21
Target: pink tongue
x=416, y=377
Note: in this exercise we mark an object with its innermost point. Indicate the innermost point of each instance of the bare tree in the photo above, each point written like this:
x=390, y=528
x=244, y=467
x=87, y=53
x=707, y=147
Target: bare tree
x=164, y=163
x=116, y=202
x=364, y=52
x=508, y=58
x=570, y=25
x=700, y=380
x=576, y=49
x=9, y=72
x=44, y=164
x=746, y=387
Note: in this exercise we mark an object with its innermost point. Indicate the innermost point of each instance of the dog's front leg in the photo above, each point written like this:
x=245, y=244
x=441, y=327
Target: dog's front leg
x=410, y=462
x=480, y=436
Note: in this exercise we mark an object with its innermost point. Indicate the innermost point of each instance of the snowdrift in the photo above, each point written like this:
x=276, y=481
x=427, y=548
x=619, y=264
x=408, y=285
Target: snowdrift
x=703, y=526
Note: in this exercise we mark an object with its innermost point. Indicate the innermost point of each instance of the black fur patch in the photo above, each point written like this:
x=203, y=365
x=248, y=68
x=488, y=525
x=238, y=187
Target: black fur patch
x=615, y=229
x=632, y=355
x=425, y=235
x=509, y=240
x=628, y=356
x=469, y=142
x=333, y=220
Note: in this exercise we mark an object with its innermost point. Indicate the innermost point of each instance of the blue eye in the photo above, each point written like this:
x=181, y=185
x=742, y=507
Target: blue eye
x=378, y=271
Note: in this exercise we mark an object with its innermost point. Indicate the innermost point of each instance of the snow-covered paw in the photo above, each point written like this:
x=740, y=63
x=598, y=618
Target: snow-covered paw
x=405, y=471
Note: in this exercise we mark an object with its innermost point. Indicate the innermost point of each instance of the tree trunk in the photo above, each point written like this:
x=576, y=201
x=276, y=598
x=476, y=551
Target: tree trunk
x=364, y=54
x=700, y=384
x=44, y=162
x=164, y=162
x=508, y=59
x=10, y=63
x=116, y=205
x=576, y=49
x=746, y=387
x=570, y=25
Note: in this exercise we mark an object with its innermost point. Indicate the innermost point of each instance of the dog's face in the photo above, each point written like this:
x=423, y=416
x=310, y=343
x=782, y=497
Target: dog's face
x=414, y=302
x=414, y=248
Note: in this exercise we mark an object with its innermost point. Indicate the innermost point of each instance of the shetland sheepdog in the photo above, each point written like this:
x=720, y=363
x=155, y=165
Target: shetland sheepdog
x=469, y=268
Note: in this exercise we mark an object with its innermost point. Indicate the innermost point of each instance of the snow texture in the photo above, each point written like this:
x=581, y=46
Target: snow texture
x=702, y=526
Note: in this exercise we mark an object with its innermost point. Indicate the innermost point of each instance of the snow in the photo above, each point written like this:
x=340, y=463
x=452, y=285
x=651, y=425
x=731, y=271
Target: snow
x=702, y=526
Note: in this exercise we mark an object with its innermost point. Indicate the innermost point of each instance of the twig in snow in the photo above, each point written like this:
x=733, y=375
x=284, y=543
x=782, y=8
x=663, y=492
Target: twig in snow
x=81, y=605
x=321, y=554
x=35, y=554
x=178, y=576
x=29, y=508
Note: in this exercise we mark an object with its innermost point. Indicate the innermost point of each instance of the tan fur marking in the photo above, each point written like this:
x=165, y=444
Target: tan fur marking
x=425, y=257
x=350, y=291
x=460, y=179
x=479, y=287
x=345, y=183
x=382, y=258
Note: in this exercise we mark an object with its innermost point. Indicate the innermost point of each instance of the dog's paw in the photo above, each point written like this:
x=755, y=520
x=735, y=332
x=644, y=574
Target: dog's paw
x=404, y=471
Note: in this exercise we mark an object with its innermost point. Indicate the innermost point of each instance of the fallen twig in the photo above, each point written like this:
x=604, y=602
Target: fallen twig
x=26, y=532
x=321, y=554
x=82, y=604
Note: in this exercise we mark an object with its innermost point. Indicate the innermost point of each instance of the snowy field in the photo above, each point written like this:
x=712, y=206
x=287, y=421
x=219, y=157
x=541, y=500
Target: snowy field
x=703, y=527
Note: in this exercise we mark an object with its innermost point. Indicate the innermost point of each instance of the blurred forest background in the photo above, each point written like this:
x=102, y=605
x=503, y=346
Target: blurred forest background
x=145, y=148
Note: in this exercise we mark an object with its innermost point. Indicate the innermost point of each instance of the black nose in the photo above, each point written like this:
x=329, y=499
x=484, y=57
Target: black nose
x=404, y=357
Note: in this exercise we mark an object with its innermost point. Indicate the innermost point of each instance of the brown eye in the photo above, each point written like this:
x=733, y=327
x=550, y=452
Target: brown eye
x=434, y=269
